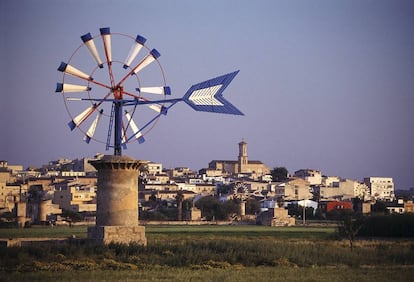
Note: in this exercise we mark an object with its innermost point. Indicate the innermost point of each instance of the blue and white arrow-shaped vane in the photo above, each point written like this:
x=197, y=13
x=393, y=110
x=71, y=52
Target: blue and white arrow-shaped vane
x=207, y=96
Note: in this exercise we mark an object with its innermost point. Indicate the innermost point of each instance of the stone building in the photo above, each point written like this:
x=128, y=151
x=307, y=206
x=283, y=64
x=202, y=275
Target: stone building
x=75, y=197
x=275, y=217
x=240, y=166
x=343, y=189
x=9, y=195
x=297, y=189
x=314, y=177
x=409, y=206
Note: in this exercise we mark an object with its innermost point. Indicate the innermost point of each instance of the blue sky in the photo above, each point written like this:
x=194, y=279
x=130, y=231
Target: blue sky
x=323, y=84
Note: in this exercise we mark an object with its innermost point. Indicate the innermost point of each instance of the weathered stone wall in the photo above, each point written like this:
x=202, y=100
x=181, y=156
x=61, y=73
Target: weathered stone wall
x=118, y=234
x=117, y=194
x=117, y=201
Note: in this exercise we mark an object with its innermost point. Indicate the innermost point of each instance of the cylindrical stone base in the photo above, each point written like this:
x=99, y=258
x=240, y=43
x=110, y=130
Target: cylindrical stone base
x=243, y=208
x=43, y=210
x=21, y=221
x=117, y=200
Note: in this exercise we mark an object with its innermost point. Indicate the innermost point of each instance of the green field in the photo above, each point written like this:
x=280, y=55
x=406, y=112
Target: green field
x=182, y=231
x=44, y=232
x=209, y=253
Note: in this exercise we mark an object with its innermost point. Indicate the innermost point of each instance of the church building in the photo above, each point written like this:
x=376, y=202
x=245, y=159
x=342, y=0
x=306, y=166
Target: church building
x=242, y=166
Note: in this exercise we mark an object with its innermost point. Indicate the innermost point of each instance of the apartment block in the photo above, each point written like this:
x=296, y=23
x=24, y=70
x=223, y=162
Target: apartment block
x=74, y=197
x=381, y=188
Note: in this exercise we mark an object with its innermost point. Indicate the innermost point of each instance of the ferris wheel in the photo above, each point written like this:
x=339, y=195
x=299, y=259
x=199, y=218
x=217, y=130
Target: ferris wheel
x=115, y=91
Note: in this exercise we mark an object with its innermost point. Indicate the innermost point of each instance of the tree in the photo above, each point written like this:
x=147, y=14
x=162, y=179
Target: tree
x=209, y=207
x=279, y=174
x=224, y=189
x=229, y=208
x=180, y=198
x=252, y=206
x=35, y=192
x=293, y=210
x=350, y=226
x=72, y=216
x=153, y=200
x=212, y=209
x=297, y=211
x=379, y=207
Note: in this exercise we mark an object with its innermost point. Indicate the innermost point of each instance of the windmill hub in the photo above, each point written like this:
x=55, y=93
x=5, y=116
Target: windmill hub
x=118, y=91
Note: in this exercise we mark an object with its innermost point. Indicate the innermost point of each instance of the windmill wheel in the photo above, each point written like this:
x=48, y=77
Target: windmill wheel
x=240, y=191
x=101, y=78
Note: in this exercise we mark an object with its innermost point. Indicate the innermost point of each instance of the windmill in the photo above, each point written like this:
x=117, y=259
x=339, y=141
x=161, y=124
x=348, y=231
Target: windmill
x=129, y=92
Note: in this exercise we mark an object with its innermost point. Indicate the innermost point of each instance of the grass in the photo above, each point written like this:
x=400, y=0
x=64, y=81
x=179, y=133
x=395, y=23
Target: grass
x=244, y=230
x=182, y=232
x=159, y=273
x=44, y=232
x=209, y=253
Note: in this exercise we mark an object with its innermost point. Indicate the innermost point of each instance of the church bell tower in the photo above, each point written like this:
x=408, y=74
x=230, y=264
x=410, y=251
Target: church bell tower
x=243, y=161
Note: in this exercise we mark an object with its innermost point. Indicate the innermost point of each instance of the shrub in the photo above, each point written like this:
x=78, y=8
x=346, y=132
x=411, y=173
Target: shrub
x=394, y=225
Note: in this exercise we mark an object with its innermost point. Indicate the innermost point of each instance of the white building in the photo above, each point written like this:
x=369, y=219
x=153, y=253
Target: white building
x=154, y=168
x=314, y=177
x=381, y=188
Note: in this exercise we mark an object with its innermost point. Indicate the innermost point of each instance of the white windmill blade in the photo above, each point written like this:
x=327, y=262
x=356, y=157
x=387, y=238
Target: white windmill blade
x=137, y=133
x=151, y=57
x=73, y=99
x=106, y=36
x=133, y=52
x=155, y=107
x=160, y=90
x=90, y=44
x=91, y=131
x=123, y=138
x=81, y=117
x=66, y=87
x=66, y=68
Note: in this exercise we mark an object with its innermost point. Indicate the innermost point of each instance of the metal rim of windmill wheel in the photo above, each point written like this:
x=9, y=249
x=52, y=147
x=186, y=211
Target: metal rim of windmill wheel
x=240, y=191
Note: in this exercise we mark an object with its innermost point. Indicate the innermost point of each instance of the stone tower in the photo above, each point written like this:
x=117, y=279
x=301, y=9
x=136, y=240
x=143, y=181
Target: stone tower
x=242, y=159
x=117, y=201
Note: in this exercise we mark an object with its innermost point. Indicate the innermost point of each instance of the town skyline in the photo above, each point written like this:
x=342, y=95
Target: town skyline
x=197, y=170
x=323, y=84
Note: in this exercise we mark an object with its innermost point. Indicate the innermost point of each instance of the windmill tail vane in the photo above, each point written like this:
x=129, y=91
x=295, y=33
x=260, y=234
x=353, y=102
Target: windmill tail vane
x=206, y=96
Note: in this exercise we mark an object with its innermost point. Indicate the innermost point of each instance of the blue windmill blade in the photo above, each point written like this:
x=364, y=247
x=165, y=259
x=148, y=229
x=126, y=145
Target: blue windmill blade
x=207, y=96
